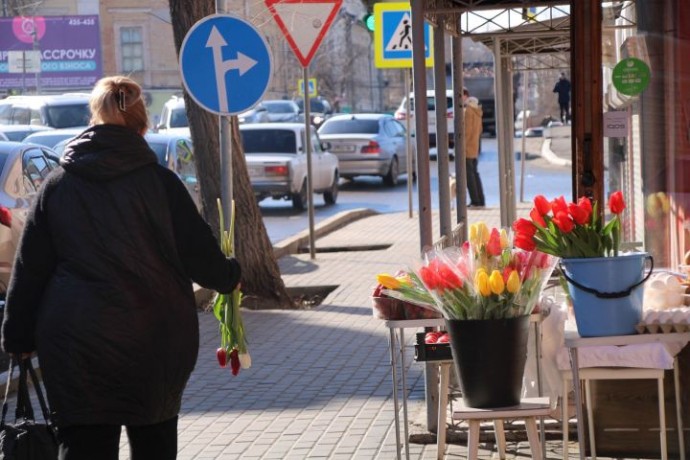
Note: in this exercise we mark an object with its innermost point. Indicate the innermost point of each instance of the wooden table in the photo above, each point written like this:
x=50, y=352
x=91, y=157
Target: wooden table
x=573, y=341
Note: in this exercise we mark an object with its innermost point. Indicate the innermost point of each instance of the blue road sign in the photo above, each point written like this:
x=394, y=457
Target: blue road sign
x=226, y=64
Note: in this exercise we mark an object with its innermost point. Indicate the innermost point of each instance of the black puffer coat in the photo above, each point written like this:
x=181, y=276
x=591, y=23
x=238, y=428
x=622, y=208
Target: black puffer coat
x=102, y=283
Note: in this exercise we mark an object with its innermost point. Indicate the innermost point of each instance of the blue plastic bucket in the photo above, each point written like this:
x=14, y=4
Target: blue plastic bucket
x=607, y=292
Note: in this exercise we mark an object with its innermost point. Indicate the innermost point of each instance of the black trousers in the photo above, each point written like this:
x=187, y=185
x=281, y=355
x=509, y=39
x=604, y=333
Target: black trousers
x=474, y=183
x=102, y=442
x=565, y=111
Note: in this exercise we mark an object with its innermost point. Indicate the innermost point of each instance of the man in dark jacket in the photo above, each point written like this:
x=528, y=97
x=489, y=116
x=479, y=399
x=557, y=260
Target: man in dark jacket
x=102, y=286
x=563, y=89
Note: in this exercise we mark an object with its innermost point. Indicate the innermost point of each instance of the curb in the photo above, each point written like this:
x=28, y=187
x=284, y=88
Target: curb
x=291, y=244
x=551, y=157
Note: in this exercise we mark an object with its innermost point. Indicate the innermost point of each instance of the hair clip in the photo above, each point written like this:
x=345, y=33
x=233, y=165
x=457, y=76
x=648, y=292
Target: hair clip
x=121, y=100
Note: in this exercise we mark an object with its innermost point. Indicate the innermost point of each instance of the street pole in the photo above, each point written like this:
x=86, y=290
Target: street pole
x=307, y=140
x=225, y=147
x=408, y=141
x=525, y=83
x=36, y=47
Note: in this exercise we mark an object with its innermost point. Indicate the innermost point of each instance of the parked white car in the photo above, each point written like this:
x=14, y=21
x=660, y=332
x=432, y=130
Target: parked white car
x=277, y=163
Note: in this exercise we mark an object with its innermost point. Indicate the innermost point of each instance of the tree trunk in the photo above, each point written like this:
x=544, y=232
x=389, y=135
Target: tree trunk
x=262, y=285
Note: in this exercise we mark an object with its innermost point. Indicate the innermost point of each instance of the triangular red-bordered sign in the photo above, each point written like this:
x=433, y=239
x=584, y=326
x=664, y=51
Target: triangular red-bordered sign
x=304, y=23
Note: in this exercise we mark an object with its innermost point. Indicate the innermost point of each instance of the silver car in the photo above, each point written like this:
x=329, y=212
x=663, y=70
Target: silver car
x=23, y=168
x=368, y=144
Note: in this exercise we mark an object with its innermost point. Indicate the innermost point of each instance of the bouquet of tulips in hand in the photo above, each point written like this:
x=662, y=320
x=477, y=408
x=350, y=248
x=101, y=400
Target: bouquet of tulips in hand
x=486, y=278
x=226, y=308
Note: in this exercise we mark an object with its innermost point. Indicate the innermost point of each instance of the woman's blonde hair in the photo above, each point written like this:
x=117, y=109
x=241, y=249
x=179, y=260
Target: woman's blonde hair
x=117, y=100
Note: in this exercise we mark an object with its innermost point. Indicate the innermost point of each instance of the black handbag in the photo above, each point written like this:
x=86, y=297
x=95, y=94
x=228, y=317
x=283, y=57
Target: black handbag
x=25, y=439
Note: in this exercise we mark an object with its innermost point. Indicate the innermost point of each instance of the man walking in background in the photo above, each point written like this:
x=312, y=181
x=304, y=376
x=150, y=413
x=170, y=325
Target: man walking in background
x=563, y=89
x=473, y=133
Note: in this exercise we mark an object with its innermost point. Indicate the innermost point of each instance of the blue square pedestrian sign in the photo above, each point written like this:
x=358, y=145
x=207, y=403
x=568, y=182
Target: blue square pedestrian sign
x=393, y=37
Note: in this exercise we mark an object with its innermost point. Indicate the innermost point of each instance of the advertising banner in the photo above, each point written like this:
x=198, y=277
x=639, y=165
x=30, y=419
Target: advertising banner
x=69, y=47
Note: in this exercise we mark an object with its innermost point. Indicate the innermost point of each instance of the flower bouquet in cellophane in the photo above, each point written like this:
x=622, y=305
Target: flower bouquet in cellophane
x=226, y=308
x=485, y=278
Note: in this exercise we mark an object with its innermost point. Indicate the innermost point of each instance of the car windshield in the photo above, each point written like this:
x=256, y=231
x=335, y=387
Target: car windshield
x=269, y=141
x=315, y=105
x=178, y=118
x=279, y=107
x=350, y=126
x=3, y=159
x=68, y=116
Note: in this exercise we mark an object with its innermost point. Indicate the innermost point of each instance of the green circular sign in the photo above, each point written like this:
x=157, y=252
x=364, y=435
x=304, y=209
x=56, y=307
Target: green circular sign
x=631, y=76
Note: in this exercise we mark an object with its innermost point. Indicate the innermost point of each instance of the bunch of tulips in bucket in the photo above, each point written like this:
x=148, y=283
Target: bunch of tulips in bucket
x=485, y=278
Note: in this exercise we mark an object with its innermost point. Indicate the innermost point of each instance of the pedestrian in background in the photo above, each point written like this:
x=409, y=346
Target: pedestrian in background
x=563, y=89
x=102, y=286
x=473, y=134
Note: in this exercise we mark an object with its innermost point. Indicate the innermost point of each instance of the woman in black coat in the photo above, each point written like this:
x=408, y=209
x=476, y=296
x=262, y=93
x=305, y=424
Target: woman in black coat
x=102, y=286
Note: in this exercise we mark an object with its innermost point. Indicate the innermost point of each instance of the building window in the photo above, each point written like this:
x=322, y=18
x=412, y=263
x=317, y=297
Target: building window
x=132, y=48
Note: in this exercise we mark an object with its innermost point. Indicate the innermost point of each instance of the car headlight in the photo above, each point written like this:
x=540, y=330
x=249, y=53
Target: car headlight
x=318, y=120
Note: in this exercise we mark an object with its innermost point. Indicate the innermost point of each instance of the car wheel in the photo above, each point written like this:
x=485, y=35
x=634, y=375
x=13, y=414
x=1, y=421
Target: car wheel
x=300, y=200
x=331, y=196
x=391, y=179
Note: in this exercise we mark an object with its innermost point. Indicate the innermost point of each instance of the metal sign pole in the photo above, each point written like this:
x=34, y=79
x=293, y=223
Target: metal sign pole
x=524, y=129
x=225, y=148
x=307, y=140
x=408, y=141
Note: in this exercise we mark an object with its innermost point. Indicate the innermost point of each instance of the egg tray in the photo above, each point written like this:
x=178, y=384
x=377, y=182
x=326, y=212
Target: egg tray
x=661, y=328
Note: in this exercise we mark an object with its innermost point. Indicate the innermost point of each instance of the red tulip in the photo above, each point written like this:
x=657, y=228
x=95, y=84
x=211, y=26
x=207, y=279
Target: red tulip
x=525, y=226
x=428, y=277
x=493, y=247
x=524, y=241
x=579, y=215
x=542, y=204
x=448, y=279
x=563, y=222
x=222, y=356
x=537, y=218
x=616, y=202
x=234, y=362
x=585, y=204
x=559, y=205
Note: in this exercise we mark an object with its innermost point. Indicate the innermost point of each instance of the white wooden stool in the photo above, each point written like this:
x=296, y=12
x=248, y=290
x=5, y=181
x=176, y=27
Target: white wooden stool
x=588, y=374
x=528, y=410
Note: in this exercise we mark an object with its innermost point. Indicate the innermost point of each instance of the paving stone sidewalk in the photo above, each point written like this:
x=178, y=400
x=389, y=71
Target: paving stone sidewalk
x=320, y=385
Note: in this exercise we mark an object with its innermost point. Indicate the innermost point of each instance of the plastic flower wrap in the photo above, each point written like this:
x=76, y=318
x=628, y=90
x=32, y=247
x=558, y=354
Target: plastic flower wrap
x=486, y=278
x=406, y=287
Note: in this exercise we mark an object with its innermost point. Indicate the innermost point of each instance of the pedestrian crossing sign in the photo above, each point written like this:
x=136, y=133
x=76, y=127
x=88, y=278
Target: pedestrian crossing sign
x=311, y=85
x=393, y=37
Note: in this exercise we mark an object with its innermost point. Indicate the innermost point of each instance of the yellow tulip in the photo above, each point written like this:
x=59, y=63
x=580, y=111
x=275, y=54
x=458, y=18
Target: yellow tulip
x=404, y=280
x=505, y=242
x=388, y=281
x=481, y=282
x=483, y=232
x=474, y=235
x=496, y=282
x=513, y=284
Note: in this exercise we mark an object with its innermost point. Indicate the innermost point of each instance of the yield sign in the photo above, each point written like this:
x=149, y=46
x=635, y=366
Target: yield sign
x=304, y=23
